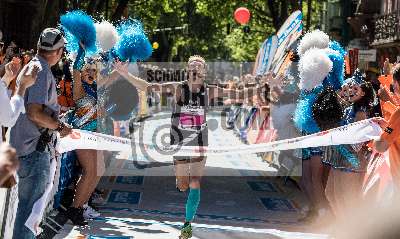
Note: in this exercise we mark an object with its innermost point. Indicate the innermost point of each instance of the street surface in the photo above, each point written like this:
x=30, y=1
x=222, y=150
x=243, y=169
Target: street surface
x=240, y=198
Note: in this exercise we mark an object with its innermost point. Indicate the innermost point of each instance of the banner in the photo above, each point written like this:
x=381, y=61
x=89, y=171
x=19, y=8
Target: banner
x=359, y=132
x=290, y=31
x=367, y=55
x=265, y=55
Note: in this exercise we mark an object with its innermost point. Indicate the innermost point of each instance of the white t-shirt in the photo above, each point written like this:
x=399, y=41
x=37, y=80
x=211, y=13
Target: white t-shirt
x=9, y=109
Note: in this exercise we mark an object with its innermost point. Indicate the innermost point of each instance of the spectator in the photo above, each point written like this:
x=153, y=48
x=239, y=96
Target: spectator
x=390, y=137
x=390, y=140
x=10, y=109
x=34, y=134
x=394, y=95
x=8, y=165
x=27, y=57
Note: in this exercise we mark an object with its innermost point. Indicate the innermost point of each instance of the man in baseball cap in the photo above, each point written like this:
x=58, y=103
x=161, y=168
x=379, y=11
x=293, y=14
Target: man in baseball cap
x=34, y=134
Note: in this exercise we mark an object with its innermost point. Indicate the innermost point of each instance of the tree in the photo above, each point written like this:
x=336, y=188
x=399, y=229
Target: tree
x=122, y=5
x=212, y=31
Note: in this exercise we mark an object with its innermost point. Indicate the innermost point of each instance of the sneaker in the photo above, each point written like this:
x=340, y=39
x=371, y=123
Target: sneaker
x=186, y=231
x=76, y=216
x=89, y=212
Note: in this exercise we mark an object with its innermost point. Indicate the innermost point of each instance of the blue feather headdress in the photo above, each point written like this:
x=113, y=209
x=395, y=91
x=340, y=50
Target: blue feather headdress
x=133, y=43
x=79, y=27
x=334, y=45
x=336, y=54
x=317, y=71
x=356, y=78
x=314, y=67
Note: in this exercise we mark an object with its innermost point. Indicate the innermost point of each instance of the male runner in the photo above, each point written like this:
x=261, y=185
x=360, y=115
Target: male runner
x=188, y=125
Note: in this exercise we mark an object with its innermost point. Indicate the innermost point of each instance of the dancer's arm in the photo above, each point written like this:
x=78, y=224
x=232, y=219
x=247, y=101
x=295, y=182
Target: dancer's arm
x=233, y=94
x=144, y=85
x=391, y=133
x=77, y=90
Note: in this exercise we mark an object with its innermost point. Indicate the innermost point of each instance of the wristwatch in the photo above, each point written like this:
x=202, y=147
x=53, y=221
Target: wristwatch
x=60, y=126
x=388, y=130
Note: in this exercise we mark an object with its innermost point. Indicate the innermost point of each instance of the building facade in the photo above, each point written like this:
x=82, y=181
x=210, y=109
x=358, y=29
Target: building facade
x=387, y=31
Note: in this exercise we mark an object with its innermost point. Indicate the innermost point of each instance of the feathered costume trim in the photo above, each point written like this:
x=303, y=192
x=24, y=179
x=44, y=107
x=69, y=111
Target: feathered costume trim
x=336, y=54
x=303, y=116
x=79, y=27
x=133, y=43
x=318, y=69
x=314, y=66
x=315, y=39
x=106, y=35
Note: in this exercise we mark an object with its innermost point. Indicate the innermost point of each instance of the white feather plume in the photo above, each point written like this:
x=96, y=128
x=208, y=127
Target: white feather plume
x=106, y=35
x=314, y=39
x=314, y=66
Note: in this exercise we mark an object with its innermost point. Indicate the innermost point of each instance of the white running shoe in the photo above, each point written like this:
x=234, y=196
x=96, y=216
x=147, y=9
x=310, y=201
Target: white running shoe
x=89, y=212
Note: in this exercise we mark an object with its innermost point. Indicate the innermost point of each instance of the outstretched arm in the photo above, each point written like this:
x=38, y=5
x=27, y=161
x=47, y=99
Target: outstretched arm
x=143, y=85
x=390, y=134
x=77, y=90
x=246, y=93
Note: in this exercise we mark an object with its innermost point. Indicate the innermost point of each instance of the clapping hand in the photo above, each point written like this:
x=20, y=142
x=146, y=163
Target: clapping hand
x=383, y=94
x=12, y=69
x=28, y=78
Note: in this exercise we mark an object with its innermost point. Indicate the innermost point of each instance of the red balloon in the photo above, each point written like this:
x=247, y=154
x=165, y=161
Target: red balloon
x=242, y=15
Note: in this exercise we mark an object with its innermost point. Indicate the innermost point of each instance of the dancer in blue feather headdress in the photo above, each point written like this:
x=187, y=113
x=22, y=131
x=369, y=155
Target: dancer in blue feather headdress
x=321, y=67
x=348, y=162
x=329, y=103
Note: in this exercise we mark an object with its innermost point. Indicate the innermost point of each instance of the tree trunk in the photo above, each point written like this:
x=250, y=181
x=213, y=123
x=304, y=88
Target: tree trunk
x=284, y=12
x=100, y=6
x=274, y=14
x=21, y=21
x=91, y=7
x=295, y=5
x=122, y=5
x=309, y=11
x=51, y=14
x=75, y=4
x=63, y=6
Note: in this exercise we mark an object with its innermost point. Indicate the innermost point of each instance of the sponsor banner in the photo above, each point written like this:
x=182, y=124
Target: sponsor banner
x=290, y=31
x=355, y=133
x=265, y=55
x=367, y=55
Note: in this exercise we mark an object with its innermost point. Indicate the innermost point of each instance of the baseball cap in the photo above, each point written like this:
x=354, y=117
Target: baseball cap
x=51, y=39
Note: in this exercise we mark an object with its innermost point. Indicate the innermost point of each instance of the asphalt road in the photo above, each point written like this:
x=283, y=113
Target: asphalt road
x=240, y=198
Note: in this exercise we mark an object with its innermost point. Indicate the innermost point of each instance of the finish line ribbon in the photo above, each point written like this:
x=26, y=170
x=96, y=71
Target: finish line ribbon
x=358, y=132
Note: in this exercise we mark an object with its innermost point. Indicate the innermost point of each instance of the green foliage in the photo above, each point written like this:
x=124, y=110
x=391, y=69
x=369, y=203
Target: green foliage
x=212, y=31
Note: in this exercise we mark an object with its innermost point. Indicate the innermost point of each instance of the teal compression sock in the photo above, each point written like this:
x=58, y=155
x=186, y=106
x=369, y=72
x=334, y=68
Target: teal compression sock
x=192, y=204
